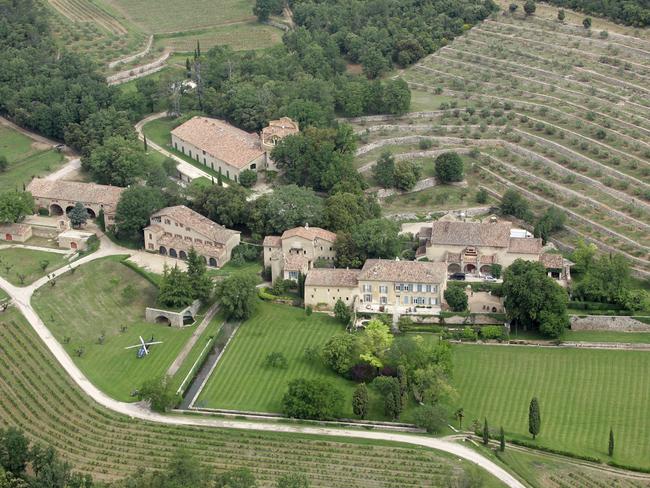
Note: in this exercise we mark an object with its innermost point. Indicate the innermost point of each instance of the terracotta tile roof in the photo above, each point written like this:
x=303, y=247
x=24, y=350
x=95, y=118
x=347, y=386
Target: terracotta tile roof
x=198, y=223
x=17, y=229
x=75, y=191
x=403, y=271
x=178, y=243
x=278, y=129
x=272, y=241
x=470, y=234
x=525, y=245
x=221, y=140
x=310, y=233
x=333, y=277
x=295, y=262
x=552, y=261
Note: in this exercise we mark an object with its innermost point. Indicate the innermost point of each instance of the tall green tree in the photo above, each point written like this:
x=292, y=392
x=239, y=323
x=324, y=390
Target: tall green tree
x=340, y=352
x=197, y=273
x=360, y=401
x=236, y=296
x=133, y=210
x=534, y=418
x=342, y=312
x=449, y=168
x=344, y=211
x=225, y=205
x=512, y=203
x=541, y=307
x=486, y=432
x=287, y=207
x=610, y=447
x=456, y=298
x=530, y=7
x=14, y=206
x=312, y=399
x=78, y=215
x=502, y=440
x=384, y=170
x=160, y=394
x=14, y=451
x=389, y=389
x=119, y=162
x=175, y=288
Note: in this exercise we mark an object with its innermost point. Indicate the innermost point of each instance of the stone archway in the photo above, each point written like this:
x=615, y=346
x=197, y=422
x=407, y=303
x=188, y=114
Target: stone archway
x=161, y=319
x=486, y=269
x=182, y=255
x=470, y=268
x=212, y=262
x=55, y=209
x=188, y=318
x=73, y=245
x=91, y=213
x=172, y=253
x=68, y=209
x=453, y=268
x=9, y=237
x=162, y=250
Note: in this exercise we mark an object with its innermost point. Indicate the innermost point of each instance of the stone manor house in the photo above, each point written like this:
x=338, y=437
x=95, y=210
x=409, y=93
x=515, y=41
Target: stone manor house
x=175, y=230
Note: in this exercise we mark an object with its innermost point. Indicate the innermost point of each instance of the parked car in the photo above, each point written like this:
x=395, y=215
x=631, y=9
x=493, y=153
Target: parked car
x=489, y=278
x=457, y=276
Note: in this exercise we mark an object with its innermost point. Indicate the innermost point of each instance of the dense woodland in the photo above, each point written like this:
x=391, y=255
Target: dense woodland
x=630, y=12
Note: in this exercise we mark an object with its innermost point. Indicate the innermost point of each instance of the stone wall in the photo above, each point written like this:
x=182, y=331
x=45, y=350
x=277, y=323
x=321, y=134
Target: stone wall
x=175, y=318
x=607, y=322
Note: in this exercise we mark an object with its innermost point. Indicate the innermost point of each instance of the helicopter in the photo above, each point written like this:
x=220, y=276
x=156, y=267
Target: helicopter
x=144, y=346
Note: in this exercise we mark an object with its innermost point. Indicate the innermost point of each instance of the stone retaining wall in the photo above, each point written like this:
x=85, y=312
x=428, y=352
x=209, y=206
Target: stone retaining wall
x=607, y=322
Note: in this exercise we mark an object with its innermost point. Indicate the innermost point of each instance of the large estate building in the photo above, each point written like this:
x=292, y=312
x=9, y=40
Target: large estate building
x=382, y=285
x=59, y=197
x=472, y=247
x=297, y=250
x=176, y=230
x=227, y=149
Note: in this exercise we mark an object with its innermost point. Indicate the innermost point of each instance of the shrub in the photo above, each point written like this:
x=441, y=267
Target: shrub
x=247, y=178
x=276, y=360
x=425, y=144
x=312, y=399
x=449, y=167
x=469, y=334
x=363, y=372
x=432, y=418
x=492, y=332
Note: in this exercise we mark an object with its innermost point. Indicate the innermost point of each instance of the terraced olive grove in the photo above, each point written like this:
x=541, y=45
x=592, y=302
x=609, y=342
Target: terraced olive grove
x=553, y=110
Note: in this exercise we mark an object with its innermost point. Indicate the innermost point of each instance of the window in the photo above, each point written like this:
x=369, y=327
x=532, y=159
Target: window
x=383, y=289
x=418, y=300
x=189, y=152
x=398, y=287
x=405, y=300
x=150, y=245
x=367, y=298
x=383, y=300
x=406, y=287
x=167, y=221
x=367, y=288
x=150, y=236
x=176, y=145
x=293, y=275
x=253, y=166
x=204, y=153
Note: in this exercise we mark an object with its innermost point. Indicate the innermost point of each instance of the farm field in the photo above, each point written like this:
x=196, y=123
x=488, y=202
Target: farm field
x=581, y=393
x=245, y=35
x=99, y=298
x=38, y=397
x=558, y=112
x=158, y=16
x=16, y=262
x=85, y=26
x=26, y=159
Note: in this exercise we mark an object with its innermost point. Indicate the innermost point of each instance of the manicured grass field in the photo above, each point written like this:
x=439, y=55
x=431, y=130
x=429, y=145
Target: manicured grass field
x=26, y=159
x=100, y=298
x=242, y=382
x=167, y=16
x=606, y=336
x=26, y=262
x=582, y=393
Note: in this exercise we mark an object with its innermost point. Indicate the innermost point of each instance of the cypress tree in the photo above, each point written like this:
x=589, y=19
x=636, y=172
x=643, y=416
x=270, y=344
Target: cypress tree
x=486, y=432
x=360, y=401
x=502, y=440
x=146, y=147
x=534, y=418
x=611, y=442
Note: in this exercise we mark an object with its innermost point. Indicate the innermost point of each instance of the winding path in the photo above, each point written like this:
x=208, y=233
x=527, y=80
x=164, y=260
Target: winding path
x=21, y=297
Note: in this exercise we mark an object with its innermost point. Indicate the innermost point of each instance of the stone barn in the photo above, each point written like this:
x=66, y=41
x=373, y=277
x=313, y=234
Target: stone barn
x=59, y=197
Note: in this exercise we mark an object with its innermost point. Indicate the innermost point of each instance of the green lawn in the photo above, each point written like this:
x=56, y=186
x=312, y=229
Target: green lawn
x=581, y=392
x=230, y=268
x=26, y=159
x=26, y=262
x=424, y=102
x=242, y=382
x=95, y=300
